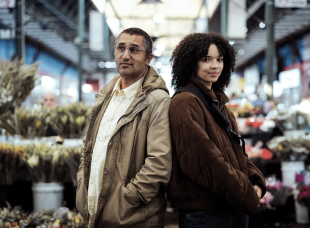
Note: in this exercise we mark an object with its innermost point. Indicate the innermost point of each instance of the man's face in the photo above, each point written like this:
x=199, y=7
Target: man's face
x=49, y=100
x=131, y=64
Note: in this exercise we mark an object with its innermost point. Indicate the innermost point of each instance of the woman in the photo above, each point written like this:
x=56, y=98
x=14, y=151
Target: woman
x=213, y=182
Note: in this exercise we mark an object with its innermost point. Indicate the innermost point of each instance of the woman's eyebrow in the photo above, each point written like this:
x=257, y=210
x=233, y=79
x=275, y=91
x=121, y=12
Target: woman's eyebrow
x=220, y=56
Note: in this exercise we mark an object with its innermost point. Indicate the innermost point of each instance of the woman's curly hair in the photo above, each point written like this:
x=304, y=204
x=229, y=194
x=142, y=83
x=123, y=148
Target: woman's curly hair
x=193, y=48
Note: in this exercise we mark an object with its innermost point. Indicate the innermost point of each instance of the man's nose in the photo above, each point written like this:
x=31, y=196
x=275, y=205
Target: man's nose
x=126, y=54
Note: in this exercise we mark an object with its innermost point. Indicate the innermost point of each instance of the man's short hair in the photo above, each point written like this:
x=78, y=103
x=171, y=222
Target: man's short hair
x=147, y=40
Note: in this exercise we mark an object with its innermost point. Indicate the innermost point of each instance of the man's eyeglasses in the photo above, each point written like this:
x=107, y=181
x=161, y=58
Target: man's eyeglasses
x=132, y=49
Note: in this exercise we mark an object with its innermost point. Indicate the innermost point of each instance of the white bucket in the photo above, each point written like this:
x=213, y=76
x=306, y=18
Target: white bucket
x=301, y=211
x=47, y=196
x=289, y=169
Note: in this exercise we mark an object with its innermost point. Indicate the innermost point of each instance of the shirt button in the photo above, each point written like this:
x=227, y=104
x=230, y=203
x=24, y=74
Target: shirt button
x=105, y=172
x=145, y=103
x=110, y=143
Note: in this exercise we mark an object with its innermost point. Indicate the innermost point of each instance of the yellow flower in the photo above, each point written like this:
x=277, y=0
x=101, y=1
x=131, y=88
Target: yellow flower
x=280, y=147
x=38, y=124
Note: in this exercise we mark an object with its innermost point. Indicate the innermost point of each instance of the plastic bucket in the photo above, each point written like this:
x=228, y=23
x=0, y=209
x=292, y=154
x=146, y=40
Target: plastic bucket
x=289, y=169
x=301, y=211
x=47, y=196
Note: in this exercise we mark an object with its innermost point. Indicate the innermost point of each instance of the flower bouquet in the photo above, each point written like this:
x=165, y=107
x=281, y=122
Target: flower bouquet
x=47, y=164
x=31, y=122
x=288, y=148
x=11, y=161
x=266, y=200
x=304, y=196
x=16, y=82
x=71, y=121
x=60, y=218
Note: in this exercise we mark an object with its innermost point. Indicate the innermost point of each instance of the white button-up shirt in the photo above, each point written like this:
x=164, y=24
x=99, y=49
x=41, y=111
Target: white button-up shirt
x=117, y=107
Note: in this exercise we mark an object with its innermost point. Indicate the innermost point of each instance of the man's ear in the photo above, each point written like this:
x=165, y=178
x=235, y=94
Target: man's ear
x=148, y=59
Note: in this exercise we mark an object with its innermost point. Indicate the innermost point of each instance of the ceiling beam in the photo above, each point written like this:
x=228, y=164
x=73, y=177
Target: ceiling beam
x=59, y=14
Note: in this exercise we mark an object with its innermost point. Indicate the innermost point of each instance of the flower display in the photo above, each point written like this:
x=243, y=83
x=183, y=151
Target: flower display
x=31, y=122
x=52, y=163
x=11, y=161
x=258, y=152
x=290, y=148
x=16, y=82
x=268, y=197
x=71, y=121
x=61, y=218
x=304, y=195
x=41, y=163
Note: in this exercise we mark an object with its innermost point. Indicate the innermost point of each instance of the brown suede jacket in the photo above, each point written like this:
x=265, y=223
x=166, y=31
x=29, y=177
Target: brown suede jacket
x=209, y=172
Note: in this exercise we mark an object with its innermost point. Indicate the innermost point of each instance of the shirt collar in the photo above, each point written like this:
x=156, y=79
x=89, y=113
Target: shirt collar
x=129, y=91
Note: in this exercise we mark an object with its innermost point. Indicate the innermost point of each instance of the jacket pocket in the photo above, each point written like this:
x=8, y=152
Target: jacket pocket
x=131, y=205
x=81, y=197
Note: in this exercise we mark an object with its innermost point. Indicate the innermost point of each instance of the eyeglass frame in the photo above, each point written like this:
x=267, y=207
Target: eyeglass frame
x=115, y=47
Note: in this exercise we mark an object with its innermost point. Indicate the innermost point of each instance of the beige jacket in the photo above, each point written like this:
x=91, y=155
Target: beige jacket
x=138, y=162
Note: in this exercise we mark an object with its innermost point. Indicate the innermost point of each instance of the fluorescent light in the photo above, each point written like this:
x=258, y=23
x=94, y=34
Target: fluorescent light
x=87, y=88
x=160, y=47
x=158, y=18
x=48, y=82
x=72, y=92
x=157, y=53
x=241, y=52
x=101, y=64
x=262, y=25
x=232, y=42
x=158, y=65
x=110, y=64
x=100, y=5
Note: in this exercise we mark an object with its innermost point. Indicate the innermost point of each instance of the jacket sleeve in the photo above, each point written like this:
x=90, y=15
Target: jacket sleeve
x=255, y=175
x=81, y=166
x=200, y=159
x=156, y=171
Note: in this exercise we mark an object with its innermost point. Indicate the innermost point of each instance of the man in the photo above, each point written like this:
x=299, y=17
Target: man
x=126, y=161
x=49, y=100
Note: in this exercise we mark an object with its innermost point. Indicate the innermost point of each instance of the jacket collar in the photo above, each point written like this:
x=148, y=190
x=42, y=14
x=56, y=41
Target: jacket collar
x=150, y=82
x=220, y=96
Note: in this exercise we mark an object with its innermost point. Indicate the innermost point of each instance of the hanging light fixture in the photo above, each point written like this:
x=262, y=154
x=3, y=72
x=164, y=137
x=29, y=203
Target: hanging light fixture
x=150, y=1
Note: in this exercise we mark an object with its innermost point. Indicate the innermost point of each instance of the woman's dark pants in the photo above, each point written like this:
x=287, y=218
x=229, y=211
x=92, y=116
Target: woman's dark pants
x=212, y=219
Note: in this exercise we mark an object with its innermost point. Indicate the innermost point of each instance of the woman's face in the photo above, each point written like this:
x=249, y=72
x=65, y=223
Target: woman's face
x=210, y=67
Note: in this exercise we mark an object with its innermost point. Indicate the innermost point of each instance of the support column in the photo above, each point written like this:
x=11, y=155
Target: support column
x=19, y=29
x=81, y=44
x=224, y=18
x=106, y=39
x=270, y=41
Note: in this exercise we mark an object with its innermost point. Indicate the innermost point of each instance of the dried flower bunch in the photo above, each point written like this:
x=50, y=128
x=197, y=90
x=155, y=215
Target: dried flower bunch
x=40, y=163
x=60, y=218
x=11, y=162
x=290, y=148
x=73, y=161
x=47, y=164
x=16, y=82
x=7, y=122
x=31, y=122
x=71, y=121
